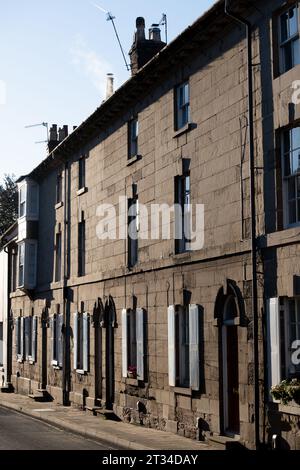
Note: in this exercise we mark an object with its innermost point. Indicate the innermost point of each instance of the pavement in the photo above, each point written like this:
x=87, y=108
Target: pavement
x=114, y=434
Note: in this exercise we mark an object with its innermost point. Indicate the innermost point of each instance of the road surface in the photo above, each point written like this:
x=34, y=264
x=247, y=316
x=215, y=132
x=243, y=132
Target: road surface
x=19, y=432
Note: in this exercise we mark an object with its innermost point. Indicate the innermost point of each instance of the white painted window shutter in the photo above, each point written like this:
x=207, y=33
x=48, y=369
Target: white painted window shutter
x=75, y=339
x=171, y=346
x=86, y=342
x=273, y=332
x=52, y=326
x=124, y=343
x=140, y=318
x=34, y=338
x=22, y=338
x=17, y=336
x=194, y=341
x=27, y=324
x=60, y=321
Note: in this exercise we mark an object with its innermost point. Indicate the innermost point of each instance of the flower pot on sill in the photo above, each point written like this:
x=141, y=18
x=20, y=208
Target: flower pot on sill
x=131, y=375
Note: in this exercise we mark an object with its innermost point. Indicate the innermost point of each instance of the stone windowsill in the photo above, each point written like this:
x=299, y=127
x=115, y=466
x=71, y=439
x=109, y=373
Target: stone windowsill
x=59, y=205
x=183, y=130
x=186, y=255
x=132, y=382
x=81, y=191
x=292, y=409
x=182, y=391
x=134, y=159
x=81, y=372
x=56, y=285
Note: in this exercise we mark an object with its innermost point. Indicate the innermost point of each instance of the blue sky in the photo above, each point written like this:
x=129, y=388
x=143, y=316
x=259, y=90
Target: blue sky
x=54, y=59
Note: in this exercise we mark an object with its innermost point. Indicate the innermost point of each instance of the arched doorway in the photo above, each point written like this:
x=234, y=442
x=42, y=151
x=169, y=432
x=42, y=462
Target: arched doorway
x=110, y=325
x=230, y=368
x=229, y=317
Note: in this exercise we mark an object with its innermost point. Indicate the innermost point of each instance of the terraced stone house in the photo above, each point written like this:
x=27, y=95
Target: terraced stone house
x=189, y=341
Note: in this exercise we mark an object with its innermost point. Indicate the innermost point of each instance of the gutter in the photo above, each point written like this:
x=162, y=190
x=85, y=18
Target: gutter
x=248, y=27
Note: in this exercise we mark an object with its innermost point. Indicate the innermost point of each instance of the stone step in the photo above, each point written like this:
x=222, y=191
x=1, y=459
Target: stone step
x=40, y=395
x=224, y=442
x=8, y=388
x=93, y=409
x=107, y=414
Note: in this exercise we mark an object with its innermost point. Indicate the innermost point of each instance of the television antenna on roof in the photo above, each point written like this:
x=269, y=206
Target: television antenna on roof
x=44, y=124
x=164, y=22
x=110, y=17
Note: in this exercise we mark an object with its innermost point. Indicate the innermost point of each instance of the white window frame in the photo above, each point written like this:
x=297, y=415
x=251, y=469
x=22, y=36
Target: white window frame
x=81, y=320
x=287, y=332
x=30, y=191
x=140, y=319
x=31, y=344
x=283, y=43
x=285, y=183
x=183, y=106
x=192, y=312
x=57, y=340
x=133, y=137
x=19, y=339
x=21, y=264
x=29, y=282
x=22, y=200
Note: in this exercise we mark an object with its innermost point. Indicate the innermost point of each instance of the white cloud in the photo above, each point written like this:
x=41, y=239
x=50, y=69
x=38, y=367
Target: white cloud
x=93, y=66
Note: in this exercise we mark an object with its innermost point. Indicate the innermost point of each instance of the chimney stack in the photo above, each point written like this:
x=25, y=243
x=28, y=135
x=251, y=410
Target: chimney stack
x=63, y=133
x=143, y=50
x=109, y=85
x=53, y=138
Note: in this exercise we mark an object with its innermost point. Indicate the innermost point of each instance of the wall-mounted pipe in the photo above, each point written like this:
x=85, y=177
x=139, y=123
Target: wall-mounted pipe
x=248, y=27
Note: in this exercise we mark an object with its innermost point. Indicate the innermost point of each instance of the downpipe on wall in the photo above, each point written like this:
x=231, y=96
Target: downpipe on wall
x=248, y=27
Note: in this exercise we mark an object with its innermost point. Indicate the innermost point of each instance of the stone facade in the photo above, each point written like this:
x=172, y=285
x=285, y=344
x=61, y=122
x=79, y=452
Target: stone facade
x=216, y=147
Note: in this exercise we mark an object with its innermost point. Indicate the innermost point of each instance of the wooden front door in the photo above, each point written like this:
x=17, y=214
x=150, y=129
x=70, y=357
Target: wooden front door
x=110, y=363
x=231, y=400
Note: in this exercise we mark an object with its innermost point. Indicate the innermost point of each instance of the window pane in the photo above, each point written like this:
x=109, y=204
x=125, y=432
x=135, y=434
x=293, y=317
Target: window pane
x=284, y=26
x=293, y=21
x=186, y=93
x=291, y=189
x=295, y=136
x=292, y=212
x=295, y=161
x=287, y=141
x=296, y=52
x=288, y=56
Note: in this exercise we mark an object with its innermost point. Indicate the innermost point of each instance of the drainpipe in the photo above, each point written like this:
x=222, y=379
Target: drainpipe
x=248, y=27
x=65, y=371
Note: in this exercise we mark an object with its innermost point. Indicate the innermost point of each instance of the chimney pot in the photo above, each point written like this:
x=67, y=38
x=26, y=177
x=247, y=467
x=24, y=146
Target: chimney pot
x=53, y=133
x=109, y=85
x=140, y=29
x=154, y=33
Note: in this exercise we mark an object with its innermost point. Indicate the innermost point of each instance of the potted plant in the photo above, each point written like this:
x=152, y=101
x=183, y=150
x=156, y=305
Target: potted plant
x=287, y=391
x=132, y=372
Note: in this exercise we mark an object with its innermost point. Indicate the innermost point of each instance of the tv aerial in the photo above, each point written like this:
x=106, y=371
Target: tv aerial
x=44, y=124
x=110, y=17
x=164, y=22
